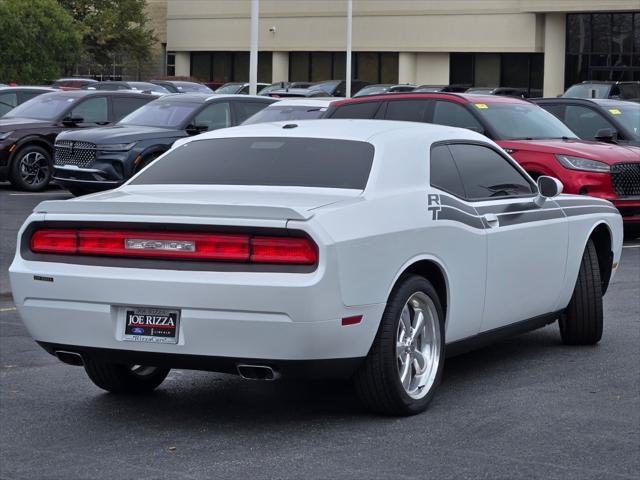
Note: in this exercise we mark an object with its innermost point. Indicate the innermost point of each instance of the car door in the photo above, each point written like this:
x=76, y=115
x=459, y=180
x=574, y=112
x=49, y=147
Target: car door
x=526, y=244
x=458, y=231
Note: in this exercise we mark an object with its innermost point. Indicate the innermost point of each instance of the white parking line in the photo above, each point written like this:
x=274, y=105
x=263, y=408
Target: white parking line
x=631, y=246
x=11, y=309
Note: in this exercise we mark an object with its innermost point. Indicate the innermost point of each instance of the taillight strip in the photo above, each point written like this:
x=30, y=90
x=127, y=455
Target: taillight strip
x=224, y=247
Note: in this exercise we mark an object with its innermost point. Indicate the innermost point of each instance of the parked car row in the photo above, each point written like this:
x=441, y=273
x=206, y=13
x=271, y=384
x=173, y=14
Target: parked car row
x=589, y=144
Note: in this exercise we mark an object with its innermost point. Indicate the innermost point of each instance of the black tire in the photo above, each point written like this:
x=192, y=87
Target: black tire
x=581, y=323
x=377, y=381
x=124, y=378
x=31, y=168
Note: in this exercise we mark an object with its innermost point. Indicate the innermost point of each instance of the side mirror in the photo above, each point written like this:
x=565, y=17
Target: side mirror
x=195, y=129
x=72, y=121
x=548, y=187
x=606, y=135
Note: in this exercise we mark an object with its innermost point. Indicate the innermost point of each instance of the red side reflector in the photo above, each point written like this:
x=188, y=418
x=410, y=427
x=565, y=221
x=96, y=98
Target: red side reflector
x=54, y=241
x=351, y=320
x=283, y=250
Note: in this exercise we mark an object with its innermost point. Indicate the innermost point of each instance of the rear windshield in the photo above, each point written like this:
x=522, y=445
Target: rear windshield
x=267, y=161
x=279, y=113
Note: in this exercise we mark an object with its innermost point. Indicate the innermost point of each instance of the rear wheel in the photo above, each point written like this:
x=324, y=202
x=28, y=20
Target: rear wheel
x=31, y=168
x=125, y=378
x=404, y=366
x=581, y=323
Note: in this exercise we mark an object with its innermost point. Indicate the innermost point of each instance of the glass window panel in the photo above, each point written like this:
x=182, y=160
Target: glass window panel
x=265, y=63
x=515, y=70
x=299, y=67
x=578, y=33
x=444, y=173
x=201, y=65
x=320, y=66
x=340, y=66
x=367, y=66
x=389, y=68
x=241, y=67
x=461, y=68
x=601, y=24
x=93, y=110
x=636, y=33
x=222, y=66
x=584, y=121
x=214, y=116
x=621, y=35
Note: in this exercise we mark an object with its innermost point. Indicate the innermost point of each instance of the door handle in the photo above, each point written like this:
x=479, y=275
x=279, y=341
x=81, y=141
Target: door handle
x=492, y=220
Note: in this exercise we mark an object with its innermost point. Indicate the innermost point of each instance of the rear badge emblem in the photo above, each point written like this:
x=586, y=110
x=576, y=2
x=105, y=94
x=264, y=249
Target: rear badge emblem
x=42, y=279
x=166, y=245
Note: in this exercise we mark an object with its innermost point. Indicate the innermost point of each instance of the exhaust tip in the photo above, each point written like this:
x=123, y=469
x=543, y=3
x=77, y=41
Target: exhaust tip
x=257, y=372
x=70, y=358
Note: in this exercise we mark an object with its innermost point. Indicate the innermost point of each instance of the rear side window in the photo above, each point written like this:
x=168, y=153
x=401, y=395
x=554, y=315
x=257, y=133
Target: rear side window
x=444, y=173
x=124, y=106
x=487, y=174
x=407, y=110
x=356, y=110
x=7, y=102
x=454, y=115
x=268, y=161
x=245, y=110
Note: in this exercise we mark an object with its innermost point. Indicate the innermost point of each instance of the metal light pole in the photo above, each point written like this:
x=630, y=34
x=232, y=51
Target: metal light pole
x=349, y=24
x=253, y=55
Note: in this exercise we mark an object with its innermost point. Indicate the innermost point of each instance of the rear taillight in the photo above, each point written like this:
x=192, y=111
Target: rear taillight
x=224, y=247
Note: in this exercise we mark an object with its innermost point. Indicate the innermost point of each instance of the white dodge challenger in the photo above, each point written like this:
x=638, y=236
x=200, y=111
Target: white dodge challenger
x=354, y=248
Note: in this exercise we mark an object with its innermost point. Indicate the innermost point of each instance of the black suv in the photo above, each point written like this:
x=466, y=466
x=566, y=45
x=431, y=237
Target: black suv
x=11, y=97
x=614, y=121
x=28, y=132
x=103, y=158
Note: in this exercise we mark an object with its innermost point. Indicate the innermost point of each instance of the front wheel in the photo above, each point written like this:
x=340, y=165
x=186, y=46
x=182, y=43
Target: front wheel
x=117, y=378
x=404, y=366
x=31, y=168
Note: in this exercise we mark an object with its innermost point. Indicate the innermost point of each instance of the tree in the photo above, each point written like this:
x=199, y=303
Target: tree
x=38, y=41
x=112, y=27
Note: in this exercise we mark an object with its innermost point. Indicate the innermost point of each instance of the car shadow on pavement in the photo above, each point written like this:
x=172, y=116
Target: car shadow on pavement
x=190, y=400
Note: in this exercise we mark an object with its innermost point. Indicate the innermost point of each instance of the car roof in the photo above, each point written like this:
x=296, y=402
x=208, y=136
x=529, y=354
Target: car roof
x=30, y=87
x=457, y=97
x=305, y=101
x=605, y=102
x=357, y=130
x=90, y=93
x=204, y=97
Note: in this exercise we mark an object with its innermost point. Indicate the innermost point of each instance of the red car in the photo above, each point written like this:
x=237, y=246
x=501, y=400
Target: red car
x=540, y=142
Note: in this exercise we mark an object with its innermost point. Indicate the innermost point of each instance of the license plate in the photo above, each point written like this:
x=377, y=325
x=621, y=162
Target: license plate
x=151, y=325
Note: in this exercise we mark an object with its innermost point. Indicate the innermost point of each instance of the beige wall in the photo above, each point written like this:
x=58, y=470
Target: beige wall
x=554, y=54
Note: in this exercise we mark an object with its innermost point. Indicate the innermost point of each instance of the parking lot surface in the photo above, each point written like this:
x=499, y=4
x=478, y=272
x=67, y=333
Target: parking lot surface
x=528, y=407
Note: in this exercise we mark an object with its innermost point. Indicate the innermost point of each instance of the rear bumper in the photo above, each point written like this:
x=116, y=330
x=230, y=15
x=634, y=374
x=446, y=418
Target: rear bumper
x=249, y=315
x=333, y=368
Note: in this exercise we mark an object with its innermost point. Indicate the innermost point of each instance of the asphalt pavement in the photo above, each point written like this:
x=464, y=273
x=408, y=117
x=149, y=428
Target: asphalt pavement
x=528, y=407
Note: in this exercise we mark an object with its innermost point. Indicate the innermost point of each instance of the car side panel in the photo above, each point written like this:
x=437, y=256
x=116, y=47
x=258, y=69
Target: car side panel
x=392, y=233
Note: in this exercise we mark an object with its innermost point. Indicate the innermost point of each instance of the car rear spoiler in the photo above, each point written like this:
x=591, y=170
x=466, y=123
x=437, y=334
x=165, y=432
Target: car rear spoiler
x=173, y=209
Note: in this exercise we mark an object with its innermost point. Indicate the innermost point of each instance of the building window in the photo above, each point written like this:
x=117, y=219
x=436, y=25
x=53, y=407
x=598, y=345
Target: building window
x=602, y=46
x=373, y=67
x=171, y=64
x=229, y=66
x=517, y=70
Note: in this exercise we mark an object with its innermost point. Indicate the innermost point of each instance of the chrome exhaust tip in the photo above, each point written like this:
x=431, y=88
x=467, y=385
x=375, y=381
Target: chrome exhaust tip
x=70, y=358
x=257, y=372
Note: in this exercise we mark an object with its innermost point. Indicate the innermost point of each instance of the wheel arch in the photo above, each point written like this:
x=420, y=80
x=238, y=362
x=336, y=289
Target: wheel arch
x=31, y=140
x=431, y=269
x=602, y=239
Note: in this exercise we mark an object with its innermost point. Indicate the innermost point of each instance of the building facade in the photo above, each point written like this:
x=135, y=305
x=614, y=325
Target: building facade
x=539, y=45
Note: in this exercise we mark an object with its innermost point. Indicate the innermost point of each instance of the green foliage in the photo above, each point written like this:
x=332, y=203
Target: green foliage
x=112, y=27
x=38, y=41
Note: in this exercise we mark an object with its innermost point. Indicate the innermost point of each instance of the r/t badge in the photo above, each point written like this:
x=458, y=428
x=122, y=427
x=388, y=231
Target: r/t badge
x=433, y=205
